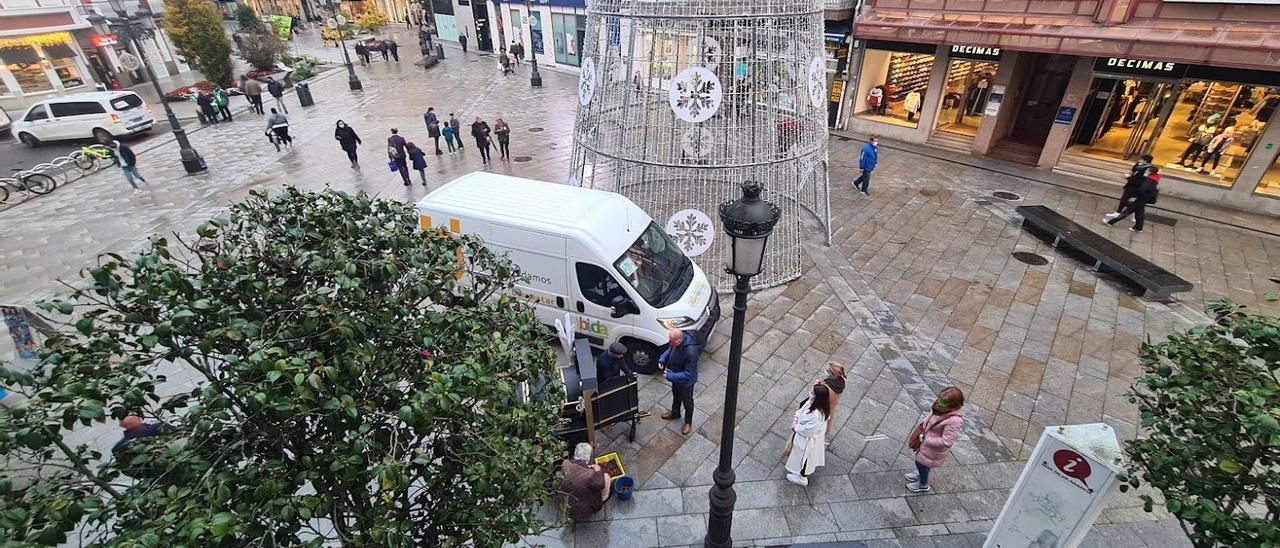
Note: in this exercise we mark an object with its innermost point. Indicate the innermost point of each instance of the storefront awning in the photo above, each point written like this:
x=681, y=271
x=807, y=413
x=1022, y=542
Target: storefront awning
x=19, y=55
x=1246, y=45
x=60, y=51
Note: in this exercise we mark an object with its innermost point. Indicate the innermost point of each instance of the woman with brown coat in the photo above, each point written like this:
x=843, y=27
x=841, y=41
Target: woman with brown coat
x=835, y=384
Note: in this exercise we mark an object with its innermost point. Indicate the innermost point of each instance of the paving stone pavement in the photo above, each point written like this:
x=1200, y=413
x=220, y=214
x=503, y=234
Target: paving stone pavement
x=917, y=291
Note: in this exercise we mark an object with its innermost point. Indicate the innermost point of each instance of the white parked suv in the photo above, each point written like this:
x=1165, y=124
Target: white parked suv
x=101, y=115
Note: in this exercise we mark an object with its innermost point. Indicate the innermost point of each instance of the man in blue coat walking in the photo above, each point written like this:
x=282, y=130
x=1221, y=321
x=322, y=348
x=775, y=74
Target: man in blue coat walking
x=681, y=363
x=867, y=163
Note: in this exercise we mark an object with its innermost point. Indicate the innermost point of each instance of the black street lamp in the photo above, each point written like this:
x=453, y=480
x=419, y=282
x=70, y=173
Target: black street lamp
x=748, y=221
x=353, y=81
x=535, y=78
x=132, y=28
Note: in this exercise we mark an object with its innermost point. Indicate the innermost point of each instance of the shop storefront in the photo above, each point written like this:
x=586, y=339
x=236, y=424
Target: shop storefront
x=1202, y=124
x=568, y=31
x=893, y=82
x=835, y=43
x=36, y=66
x=554, y=30
x=971, y=72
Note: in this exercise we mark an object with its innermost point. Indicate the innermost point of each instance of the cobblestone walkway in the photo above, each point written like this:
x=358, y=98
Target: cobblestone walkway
x=917, y=291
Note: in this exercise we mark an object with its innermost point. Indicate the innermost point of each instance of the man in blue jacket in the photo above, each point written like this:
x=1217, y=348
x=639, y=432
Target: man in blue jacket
x=681, y=363
x=867, y=163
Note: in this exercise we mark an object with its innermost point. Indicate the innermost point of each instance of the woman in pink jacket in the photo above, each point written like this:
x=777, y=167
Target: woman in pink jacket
x=940, y=431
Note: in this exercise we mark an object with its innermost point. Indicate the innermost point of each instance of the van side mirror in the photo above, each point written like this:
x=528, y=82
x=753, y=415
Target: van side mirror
x=623, y=306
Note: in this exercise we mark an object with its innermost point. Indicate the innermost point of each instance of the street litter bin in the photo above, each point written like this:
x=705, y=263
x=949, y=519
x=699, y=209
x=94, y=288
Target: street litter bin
x=439, y=51
x=304, y=94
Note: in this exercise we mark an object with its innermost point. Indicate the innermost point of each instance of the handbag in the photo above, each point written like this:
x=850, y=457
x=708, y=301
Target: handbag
x=393, y=166
x=916, y=439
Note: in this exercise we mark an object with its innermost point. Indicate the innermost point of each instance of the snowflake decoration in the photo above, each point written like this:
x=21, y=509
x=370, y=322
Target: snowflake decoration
x=692, y=231
x=587, y=81
x=696, y=143
x=817, y=81
x=695, y=94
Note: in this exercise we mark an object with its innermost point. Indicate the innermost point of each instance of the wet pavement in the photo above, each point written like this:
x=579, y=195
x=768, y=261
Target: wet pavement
x=918, y=290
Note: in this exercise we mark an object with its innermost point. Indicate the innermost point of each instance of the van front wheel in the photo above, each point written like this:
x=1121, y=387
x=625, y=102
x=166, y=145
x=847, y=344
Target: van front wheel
x=642, y=357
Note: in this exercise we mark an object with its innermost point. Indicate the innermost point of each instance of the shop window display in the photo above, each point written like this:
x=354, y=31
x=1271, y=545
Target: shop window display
x=893, y=85
x=1210, y=131
x=1270, y=184
x=31, y=77
x=68, y=73
x=965, y=96
x=1213, y=129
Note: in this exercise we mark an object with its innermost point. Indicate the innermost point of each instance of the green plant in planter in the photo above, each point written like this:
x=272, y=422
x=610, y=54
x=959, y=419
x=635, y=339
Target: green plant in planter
x=1209, y=401
x=344, y=375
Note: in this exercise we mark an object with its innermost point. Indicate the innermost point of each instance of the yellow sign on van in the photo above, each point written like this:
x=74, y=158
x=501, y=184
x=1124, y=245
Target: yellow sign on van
x=455, y=227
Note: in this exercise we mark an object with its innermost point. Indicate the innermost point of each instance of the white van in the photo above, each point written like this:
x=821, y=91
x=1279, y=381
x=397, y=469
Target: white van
x=587, y=252
x=101, y=115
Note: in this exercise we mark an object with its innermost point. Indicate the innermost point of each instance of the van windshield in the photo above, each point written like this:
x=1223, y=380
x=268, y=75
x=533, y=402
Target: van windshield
x=655, y=267
x=126, y=102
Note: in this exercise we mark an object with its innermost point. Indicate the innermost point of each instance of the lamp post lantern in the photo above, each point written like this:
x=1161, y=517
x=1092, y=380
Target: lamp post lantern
x=132, y=28
x=748, y=221
x=535, y=78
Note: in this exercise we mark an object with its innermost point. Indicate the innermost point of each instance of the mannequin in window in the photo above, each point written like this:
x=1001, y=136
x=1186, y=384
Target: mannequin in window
x=875, y=99
x=1199, y=141
x=1216, y=148
x=912, y=105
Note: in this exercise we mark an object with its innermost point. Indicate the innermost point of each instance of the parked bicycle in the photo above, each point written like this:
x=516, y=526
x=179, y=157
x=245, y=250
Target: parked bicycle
x=87, y=157
x=25, y=182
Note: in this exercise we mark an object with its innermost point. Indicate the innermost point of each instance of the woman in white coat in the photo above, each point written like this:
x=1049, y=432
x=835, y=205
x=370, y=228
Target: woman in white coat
x=809, y=447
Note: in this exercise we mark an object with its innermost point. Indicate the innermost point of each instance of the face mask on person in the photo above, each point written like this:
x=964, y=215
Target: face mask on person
x=341, y=125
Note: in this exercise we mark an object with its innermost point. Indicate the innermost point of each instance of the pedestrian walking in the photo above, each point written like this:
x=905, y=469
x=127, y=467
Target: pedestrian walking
x=396, y=154
x=1137, y=174
x=835, y=383
x=457, y=129
x=384, y=50
x=1146, y=193
x=223, y=102
x=462, y=41
x=419, y=159
x=276, y=89
x=205, y=102
x=867, y=163
x=433, y=128
x=349, y=141
x=278, y=125
x=128, y=164
x=517, y=51
x=480, y=130
x=808, y=435
x=253, y=92
x=504, y=62
x=360, y=53
x=933, y=438
x=503, y=131
x=448, y=137
x=681, y=362
x=395, y=49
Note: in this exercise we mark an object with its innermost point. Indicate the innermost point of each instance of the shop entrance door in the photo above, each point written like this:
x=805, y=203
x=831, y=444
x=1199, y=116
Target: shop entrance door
x=480, y=11
x=965, y=96
x=1122, y=116
x=1044, y=88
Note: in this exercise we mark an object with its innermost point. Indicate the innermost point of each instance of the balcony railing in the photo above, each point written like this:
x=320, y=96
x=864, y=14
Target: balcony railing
x=34, y=4
x=840, y=4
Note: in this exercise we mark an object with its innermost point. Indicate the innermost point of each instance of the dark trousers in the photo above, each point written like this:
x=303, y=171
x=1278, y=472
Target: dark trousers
x=1193, y=151
x=1137, y=207
x=255, y=103
x=483, y=145
x=923, y=472
x=1215, y=156
x=863, y=182
x=504, y=148
x=682, y=396
x=403, y=165
x=351, y=155
x=449, y=141
x=437, y=140
x=282, y=135
x=225, y=112
x=1128, y=194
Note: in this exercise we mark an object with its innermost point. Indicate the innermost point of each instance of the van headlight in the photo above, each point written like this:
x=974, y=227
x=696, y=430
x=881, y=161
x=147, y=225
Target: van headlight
x=680, y=322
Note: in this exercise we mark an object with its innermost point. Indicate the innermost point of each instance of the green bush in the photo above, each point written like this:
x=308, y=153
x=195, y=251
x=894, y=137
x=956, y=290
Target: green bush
x=195, y=27
x=1209, y=401
x=248, y=21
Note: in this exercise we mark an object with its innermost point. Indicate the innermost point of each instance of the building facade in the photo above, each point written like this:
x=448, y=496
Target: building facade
x=551, y=29
x=50, y=48
x=1083, y=87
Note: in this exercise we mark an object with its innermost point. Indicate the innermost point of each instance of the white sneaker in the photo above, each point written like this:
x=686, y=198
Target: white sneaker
x=915, y=487
x=911, y=477
x=1110, y=216
x=137, y=191
x=797, y=479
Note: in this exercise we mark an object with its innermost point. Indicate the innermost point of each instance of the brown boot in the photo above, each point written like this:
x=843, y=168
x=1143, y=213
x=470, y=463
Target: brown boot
x=669, y=416
x=686, y=429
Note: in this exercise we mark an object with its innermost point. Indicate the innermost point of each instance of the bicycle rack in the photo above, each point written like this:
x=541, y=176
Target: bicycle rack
x=62, y=169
